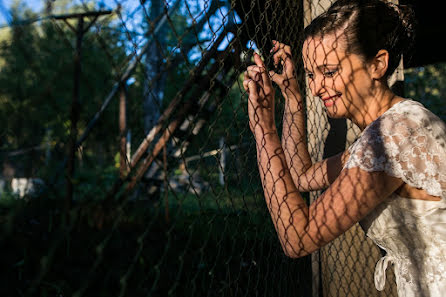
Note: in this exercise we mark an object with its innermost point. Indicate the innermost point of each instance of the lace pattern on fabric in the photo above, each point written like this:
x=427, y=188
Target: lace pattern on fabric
x=408, y=142
x=405, y=142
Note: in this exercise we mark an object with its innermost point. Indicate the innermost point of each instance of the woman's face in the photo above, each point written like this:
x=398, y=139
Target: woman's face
x=341, y=80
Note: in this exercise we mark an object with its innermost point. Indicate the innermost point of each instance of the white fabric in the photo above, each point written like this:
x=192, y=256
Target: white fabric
x=408, y=142
x=380, y=272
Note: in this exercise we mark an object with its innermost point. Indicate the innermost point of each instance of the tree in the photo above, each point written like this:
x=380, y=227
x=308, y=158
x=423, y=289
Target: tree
x=427, y=84
x=36, y=85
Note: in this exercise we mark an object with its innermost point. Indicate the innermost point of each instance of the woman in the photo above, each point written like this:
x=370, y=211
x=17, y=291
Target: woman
x=392, y=179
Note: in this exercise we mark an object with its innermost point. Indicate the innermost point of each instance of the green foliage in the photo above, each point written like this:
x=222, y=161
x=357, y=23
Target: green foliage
x=427, y=84
x=37, y=81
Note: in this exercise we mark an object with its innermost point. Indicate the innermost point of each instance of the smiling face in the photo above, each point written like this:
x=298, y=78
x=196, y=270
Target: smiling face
x=341, y=80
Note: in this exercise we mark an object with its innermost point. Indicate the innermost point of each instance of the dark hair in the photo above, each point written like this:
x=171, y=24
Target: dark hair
x=369, y=26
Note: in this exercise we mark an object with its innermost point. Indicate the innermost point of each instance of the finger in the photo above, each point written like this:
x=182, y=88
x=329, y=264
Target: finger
x=252, y=88
x=245, y=85
x=265, y=78
x=254, y=72
x=286, y=48
x=283, y=46
x=246, y=76
x=281, y=55
x=274, y=76
x=275, y=46
x=253, y=68
x=258, y=60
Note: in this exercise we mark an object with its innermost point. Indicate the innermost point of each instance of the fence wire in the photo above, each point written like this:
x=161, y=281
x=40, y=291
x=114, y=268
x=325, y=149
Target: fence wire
x=128, y=165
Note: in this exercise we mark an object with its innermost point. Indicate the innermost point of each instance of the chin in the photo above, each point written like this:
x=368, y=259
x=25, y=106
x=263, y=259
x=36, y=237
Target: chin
x=335, y=114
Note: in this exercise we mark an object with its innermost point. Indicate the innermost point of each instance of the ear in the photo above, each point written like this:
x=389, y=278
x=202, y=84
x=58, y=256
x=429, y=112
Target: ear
x=380, y=64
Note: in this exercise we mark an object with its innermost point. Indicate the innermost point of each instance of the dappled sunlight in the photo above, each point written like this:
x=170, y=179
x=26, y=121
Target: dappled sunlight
x=219, y=148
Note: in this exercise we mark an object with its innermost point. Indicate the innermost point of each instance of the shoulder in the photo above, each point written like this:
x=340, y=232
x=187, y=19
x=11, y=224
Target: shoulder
x=405, y=127
x=405, y=120
x=409, y=142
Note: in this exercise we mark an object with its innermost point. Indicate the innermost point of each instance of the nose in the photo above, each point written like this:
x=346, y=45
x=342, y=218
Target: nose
x=317, y=85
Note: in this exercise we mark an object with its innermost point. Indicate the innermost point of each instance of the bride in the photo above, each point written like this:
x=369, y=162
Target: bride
x=392, y=179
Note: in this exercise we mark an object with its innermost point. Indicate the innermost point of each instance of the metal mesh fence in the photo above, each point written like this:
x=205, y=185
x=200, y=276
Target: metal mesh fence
x=129, y=168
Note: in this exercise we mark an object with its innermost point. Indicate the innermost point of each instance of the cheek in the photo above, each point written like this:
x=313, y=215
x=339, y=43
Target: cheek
x=339, y=84
x=349, y=83
x=360, y=78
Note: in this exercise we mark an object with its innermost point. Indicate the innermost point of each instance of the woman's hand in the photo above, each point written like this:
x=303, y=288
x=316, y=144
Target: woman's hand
x=286, y=80
x=261, y=98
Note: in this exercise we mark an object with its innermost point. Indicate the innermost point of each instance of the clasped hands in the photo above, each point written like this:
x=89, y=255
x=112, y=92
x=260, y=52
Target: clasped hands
x=258, y=83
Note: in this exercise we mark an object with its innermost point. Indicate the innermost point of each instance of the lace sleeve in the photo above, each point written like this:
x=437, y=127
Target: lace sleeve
x=407, y=145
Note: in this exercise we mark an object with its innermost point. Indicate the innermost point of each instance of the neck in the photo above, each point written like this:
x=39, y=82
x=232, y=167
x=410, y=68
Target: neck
x=374, y=106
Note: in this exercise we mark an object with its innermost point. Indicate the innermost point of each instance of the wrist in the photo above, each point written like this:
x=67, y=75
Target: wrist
x=266, y=136
x=291, y=93
x=293, y=107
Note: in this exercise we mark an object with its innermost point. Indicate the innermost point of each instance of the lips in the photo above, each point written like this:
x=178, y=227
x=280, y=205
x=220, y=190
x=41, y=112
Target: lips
x=329, y=101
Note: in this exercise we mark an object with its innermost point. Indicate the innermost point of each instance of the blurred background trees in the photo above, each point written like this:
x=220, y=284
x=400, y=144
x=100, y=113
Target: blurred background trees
x=36, y=58
x=218, y=241
x=36, y=78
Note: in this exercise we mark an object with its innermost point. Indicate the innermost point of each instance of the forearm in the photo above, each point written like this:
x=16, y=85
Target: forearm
x=294, y=139
x=288, y=210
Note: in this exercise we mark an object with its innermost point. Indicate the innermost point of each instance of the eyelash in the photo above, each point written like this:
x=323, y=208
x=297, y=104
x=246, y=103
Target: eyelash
x=326, y=74
x=330, y=73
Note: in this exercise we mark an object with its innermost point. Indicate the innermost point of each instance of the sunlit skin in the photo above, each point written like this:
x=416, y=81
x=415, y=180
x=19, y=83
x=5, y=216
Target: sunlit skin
x=349, y=86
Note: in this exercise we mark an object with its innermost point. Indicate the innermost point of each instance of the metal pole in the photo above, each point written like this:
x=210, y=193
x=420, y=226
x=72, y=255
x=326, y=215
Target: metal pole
x=75, y=112
x=80, y=30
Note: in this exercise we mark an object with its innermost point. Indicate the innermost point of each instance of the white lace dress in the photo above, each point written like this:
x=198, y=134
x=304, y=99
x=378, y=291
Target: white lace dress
x=408, y=142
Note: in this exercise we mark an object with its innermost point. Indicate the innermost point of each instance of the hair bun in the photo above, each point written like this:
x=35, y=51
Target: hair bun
x=406, y=14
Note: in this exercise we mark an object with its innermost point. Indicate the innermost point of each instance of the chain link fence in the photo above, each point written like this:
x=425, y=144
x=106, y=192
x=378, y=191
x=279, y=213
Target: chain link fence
x=128, y=165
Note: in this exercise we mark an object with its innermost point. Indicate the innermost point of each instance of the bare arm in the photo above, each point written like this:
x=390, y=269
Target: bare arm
x=302, y=229
x=306, y=175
